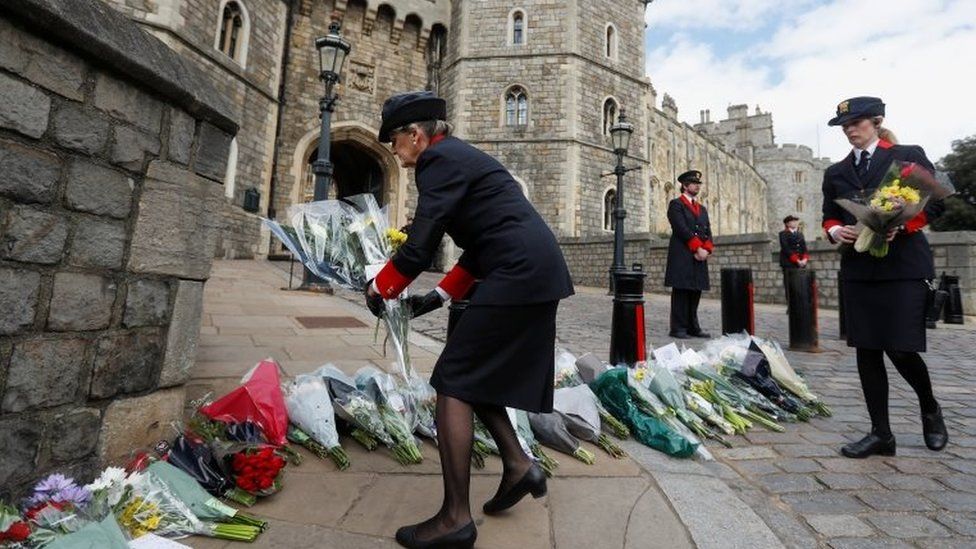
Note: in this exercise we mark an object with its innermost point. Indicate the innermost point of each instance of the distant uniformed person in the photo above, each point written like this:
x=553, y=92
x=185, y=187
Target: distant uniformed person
x=884, y=298
x=501, y=352
x=792, y=249
x=691, y=245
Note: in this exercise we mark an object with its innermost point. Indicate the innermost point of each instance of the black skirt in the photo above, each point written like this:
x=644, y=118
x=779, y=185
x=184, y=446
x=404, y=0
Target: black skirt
x=502, y=355
x=885, y=314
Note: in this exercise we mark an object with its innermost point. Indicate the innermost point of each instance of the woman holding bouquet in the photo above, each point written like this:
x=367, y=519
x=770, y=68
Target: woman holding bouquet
x=884, y=297
x=500, y=354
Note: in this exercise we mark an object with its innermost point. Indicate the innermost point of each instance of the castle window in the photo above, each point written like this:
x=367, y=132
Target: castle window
x=799, y=205
x=610, y=44
x=798, y=176
x=516, y=26
x=610, y=111
x=516, y=107
x=233, y=30
x=609, y=203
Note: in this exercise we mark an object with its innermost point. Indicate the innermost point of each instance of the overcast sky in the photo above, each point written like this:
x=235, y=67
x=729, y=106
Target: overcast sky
x=799, y=58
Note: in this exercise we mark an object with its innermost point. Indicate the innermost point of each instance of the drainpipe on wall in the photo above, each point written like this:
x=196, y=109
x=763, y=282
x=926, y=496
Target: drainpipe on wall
x=289, y=25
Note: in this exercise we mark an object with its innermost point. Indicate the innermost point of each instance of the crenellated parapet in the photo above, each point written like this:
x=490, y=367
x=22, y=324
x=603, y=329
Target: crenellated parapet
x=425, y=15
x=785, y=153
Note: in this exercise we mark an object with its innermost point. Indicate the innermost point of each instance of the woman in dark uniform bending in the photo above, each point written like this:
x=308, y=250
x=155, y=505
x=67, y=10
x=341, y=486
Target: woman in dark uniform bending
x=501, y=353
x=884, y=298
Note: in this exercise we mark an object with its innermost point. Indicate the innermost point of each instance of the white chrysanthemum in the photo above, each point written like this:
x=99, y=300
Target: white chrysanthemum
x=111, y=482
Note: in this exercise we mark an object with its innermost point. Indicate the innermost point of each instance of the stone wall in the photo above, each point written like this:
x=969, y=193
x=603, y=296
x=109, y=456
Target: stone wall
x=112, y=151
x=589, y=260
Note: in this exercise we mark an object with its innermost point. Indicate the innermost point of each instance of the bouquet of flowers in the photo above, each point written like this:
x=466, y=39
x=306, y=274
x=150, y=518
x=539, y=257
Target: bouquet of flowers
x=310, y=409
x=903, y=193
x=582, y=418
x=784, y=374
x=523, y=429
x=257, y=470
x=148, y=506
x=13, y=529
x=358, y=410
x=550, y=429
x=258, y=400
x=568, y=375
x=347, y=242
x=196, y=459
x=396, y=411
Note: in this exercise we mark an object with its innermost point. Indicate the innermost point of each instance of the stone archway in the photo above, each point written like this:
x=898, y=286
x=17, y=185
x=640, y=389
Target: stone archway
x=361, y=164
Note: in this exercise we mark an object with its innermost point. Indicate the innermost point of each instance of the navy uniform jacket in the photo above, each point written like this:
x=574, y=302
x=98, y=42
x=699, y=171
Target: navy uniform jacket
x=469, y=195
x=909, y=255
x=689, y=231
x=792, y=248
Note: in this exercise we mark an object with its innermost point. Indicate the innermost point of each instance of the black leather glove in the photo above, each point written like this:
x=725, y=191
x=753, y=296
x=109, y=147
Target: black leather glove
x=374, y=302
x=423, y=304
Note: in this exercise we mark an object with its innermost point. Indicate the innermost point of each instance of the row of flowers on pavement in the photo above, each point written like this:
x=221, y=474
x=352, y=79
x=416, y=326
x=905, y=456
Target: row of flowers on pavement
x=236, y=448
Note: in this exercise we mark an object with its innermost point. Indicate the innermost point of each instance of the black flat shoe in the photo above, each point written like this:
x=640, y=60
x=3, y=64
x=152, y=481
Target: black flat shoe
x=705, y=335
x=934, y=430
x=679, y=335
x=458, y=539
x=532, y=482
x=869, y=446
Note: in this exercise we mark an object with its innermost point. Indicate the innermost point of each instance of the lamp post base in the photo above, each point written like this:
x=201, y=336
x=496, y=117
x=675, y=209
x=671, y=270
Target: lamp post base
x=312, y=283
x=627, y=333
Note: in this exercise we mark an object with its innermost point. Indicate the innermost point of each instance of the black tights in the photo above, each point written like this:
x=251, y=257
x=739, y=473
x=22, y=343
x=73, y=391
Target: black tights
x=455, y=434
x=874, y=383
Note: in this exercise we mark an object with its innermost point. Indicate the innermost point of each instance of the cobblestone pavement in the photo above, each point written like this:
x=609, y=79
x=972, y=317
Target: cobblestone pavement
x=797, y=481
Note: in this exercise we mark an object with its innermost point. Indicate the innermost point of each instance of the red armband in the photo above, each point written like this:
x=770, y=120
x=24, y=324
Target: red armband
x=390, y=282
x=795, y=258
x=694, y=244
x=456, y=282
x=916, y=223
x=708, y=245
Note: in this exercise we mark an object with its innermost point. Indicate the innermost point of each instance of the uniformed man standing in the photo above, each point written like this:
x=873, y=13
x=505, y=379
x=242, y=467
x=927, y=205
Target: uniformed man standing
x=792, y=249
x=688, y=252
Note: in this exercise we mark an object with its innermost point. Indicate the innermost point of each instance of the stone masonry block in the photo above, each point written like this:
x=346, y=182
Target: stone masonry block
x=18, y=299
x=26, y=174
x=44, y=372
x=76, y=434
x=33, y=236
x=184, y=333
x=126, y=363
x=138, y=423
x=81, y=302
x=175, y=232
x=130, y=147
x=40, y=62
x=147, y=303
x=102, y=191
x=77, y=128
x=20, y=438
x=25, y=108
x=181, y=129
x=124, y=101
x=213, y=146
x=98, y=243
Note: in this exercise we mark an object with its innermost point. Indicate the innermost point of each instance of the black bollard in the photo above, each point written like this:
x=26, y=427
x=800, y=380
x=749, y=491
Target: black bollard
x=841, y=321
x=627, y=336
x=953, y=306
x=738, y=313
x=802, y=285
x=934, y=302
x=457, y=308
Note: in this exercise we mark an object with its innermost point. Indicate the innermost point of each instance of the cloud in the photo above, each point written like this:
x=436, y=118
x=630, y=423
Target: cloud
x=913, y=54
x=716, y=14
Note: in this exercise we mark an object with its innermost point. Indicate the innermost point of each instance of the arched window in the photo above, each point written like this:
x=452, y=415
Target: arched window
x=232, y=37
x=609, y=203
x=610, y=44
x=799, y=204
x=610, y=111
x=517, y=24
x=516, y=107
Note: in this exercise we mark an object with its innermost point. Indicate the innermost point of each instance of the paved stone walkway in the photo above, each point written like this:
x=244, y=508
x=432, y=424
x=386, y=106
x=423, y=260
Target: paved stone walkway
x=806, y=493
x=247, y=317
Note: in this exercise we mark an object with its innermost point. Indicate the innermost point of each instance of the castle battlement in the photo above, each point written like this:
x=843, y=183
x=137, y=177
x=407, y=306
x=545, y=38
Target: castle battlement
x=424, y=14
x=785, y=152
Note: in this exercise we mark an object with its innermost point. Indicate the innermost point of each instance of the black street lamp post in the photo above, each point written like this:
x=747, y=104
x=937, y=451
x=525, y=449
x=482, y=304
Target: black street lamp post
x=627, y=326
x=333, y=51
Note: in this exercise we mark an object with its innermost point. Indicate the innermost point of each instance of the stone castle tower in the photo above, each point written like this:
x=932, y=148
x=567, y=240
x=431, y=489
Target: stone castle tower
x=538, y=84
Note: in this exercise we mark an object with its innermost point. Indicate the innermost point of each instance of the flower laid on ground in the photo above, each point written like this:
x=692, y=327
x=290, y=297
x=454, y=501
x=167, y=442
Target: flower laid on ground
x=568, y=375
x=313, y=417
x=551, y=431
x=257, y=471
x=197, y=460
x=59, y=488
x=13, y=528
x=524, y=430
x=784, y=374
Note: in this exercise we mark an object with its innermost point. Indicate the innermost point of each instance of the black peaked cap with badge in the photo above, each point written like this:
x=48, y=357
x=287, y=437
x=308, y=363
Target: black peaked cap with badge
x=404, y=108
x=857, y=107
x=690, y=176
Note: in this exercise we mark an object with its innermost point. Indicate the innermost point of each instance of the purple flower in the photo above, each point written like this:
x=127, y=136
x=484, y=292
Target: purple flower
x=58, y=487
